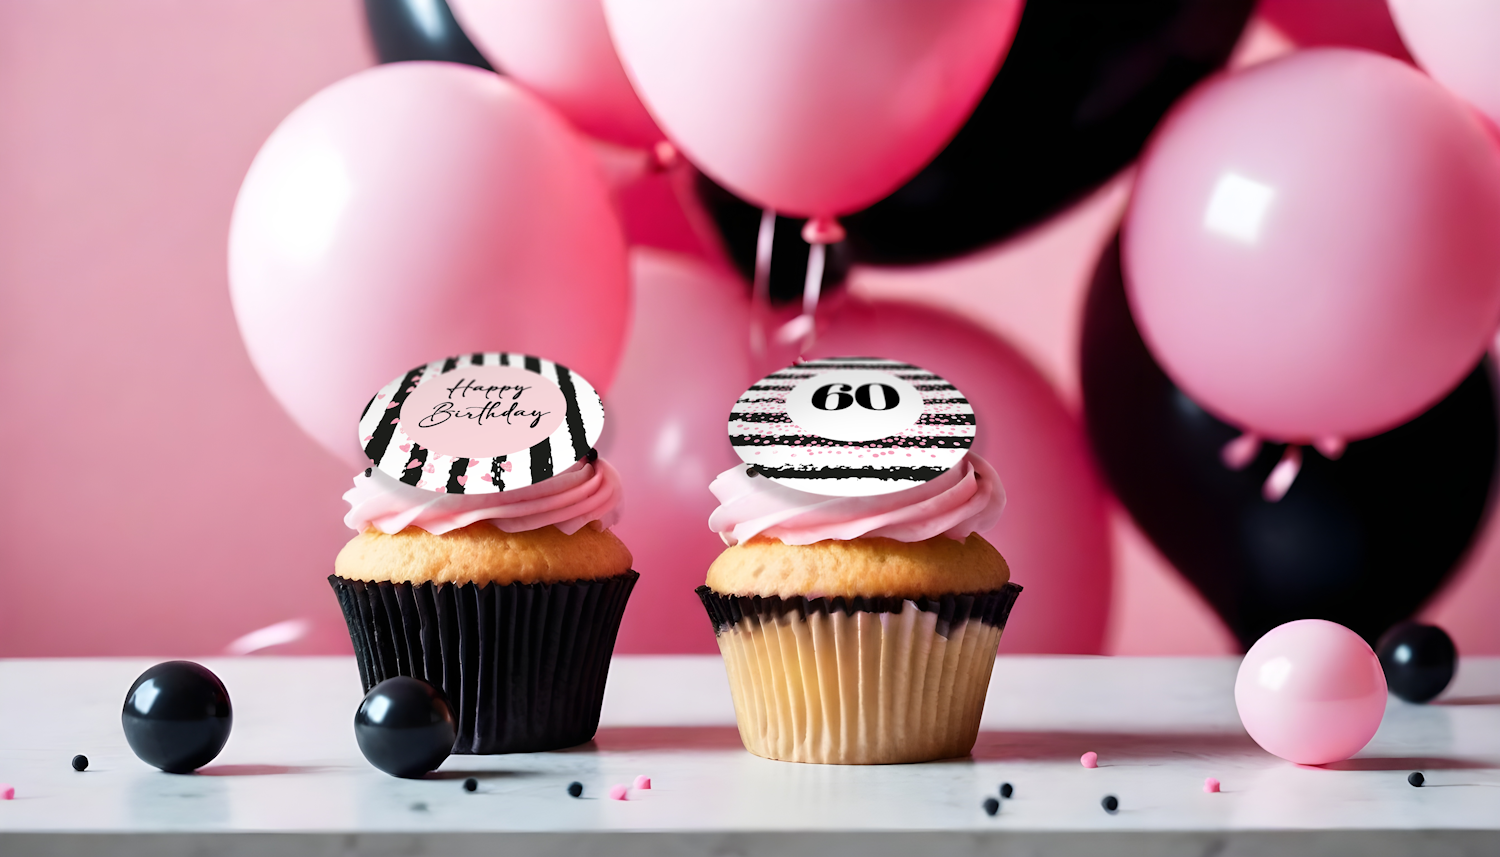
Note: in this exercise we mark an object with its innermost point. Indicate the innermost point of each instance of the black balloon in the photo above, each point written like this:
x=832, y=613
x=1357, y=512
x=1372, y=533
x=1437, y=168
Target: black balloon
x=177, y=716
x=405, y=30
x=738, y=223
x=1418, y=660
x=405, y=727
x=1082, y=88
x=1362, y=541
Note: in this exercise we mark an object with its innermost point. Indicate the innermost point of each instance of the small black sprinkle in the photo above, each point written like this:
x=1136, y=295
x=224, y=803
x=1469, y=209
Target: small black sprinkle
x=419, y=807
x=80, y=762
x=1006, y=790
x=369, y=471
x=471, y=785
x=1110, y=803
x=991, y=806
x=1416, y=778
x=575, y=789
x=593, y=455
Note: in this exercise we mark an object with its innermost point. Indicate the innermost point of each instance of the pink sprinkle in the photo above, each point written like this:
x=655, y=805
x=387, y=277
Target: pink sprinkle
x=1089, y=759
x=643, y=783
x=7, y=792
x=618, y=792
x=1211, y=785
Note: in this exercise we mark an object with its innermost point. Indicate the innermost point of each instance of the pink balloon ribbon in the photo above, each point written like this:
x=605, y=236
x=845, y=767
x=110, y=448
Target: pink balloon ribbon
x=1283, y=474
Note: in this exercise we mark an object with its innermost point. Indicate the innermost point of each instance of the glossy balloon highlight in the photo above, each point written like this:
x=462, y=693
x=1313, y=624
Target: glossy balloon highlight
x=177, y=716
x=405, y=727
x=1418, y=660
x=1310, y=692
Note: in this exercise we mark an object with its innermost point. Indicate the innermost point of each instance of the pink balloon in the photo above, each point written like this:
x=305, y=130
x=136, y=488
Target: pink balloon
x=1313, y=246
x=413, y=211
x=1054, y=532
x=1353, y=23
x=1310, y=692
x=560, y=49
x=1458, y=43
x=686, y=363
x=811, y=107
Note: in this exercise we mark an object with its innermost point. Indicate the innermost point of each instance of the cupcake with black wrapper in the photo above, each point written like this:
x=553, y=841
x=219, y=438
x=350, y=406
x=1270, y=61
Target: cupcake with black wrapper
x=857, y=608
x=483, y=561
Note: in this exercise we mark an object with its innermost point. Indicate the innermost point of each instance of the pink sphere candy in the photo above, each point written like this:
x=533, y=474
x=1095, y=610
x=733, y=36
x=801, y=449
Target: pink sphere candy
x=1211, y=785
x=1089, y=759
x=618, y=792
x=1311, y=692
x=643, y=783
x=7, y=792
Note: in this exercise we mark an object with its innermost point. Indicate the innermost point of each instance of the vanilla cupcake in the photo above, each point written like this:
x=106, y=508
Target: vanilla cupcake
x=857, y=629
x=508, y=598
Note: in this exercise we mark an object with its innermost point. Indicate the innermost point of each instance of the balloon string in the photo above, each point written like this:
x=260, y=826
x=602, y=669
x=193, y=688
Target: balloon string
x=1284, y=474
x=760, y=292
x=1238, y=453
x=812, y=288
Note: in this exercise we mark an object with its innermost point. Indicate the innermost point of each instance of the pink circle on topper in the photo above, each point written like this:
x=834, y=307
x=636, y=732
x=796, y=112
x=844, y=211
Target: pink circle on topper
x=483, y=411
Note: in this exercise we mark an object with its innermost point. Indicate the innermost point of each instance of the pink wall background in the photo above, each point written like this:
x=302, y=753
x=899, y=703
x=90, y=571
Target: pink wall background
x=155, y=501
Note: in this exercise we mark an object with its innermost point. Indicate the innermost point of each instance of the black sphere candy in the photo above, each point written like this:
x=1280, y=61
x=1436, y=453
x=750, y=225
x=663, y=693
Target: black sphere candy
x=1110, y=803
x=1418, y=660
x=177, y=716
x=1006, y=790
x=80, y=762
x=405, y=727
x=991, y=806
x=575, y=789
x=1415, y=778
x=471, y=785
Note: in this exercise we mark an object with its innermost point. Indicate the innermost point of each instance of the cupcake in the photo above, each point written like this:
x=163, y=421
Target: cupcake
x=857, y=608
x=483, y=562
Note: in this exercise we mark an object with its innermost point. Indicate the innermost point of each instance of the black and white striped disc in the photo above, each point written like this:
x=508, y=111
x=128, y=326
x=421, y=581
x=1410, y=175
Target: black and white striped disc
x=481, y=423
x=852, y=426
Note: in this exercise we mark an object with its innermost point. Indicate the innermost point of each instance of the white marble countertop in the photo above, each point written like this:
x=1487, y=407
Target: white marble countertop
x=291, y=779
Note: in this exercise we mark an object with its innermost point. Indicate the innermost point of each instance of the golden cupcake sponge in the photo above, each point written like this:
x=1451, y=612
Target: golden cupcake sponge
x=483, y=553
x=869, y=567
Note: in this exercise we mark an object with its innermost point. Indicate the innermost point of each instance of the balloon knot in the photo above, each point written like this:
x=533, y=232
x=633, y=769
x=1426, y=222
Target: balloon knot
x=823, y=230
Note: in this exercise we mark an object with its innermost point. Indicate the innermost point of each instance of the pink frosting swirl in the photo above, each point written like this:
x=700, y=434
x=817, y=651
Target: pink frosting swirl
x=586, y=493
x=967, y=499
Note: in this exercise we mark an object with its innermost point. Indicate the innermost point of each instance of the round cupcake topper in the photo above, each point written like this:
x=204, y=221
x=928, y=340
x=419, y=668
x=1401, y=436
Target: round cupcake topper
x=852, y=426
x=481, y=423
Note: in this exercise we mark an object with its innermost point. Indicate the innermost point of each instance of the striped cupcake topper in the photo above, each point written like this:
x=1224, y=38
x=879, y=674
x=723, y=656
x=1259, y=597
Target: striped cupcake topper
x=852, y=426
x=481, y=423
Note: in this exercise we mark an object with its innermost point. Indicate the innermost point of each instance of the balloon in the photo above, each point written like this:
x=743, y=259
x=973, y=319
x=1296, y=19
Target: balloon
x=811, y=107
x=1313, y=246
x=1456, y=42
x=1310, y=692
x=560, y=49
x=1354, y=23
x=404, y=30
x=1362, y=541
x=1054, y=532
x=686, y=362
x=1080, y=90
x=738, y=225
x=1418, y=660
x=418, y=210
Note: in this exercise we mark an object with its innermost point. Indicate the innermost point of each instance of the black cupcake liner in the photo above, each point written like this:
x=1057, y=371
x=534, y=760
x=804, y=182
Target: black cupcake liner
x=992, y=608
x=523, y=664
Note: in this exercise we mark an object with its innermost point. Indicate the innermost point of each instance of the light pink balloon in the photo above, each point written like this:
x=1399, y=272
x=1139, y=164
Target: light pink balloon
x=1054, y=532
x=1458, y=43
x=1313, y=246
x=413, y=211
x=811, y=107
x=686, y=363
x=560, y=49
x=1311, y=692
